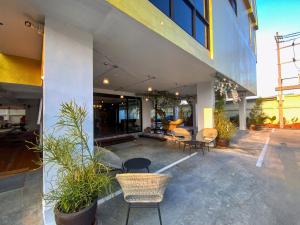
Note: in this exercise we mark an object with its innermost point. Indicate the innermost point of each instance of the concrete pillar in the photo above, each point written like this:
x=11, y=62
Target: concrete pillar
x=146, y=113
x=176, y=112
x=205, y=105
x=243, y=111
x=68, y=75
x=195, y=125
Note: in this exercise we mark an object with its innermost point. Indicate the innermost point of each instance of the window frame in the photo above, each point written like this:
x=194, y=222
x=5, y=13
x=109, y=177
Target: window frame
x=195, y=13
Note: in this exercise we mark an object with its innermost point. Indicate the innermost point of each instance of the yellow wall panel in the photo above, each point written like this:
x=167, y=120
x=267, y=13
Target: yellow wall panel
x=19, y=70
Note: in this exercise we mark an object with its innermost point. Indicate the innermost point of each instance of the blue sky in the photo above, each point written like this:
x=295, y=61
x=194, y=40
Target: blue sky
x=274, y=15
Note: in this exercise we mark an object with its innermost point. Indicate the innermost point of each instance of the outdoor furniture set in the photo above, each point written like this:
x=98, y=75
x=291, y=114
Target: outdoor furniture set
x=203, y=138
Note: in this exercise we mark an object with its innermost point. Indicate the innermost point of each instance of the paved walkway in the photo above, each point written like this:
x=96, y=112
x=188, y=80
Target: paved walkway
x=225, y=187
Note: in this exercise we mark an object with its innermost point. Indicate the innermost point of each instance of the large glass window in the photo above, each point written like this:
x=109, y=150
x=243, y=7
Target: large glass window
x=114, y=115
x=200, y=31
x=163, y=5
x=183, y=15
x=200, y=6
x=190, y=15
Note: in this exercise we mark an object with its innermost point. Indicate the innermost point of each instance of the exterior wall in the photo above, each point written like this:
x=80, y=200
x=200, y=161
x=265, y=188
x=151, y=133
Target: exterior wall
x=230, y=54
x=19, y=70
x=291, y=108
x=233, y=55
x=68, y=68
x=205, y=105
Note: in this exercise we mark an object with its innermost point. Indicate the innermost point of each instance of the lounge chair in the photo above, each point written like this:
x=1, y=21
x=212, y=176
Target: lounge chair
x=143, y=190
x=207, y=136
x=108, y=158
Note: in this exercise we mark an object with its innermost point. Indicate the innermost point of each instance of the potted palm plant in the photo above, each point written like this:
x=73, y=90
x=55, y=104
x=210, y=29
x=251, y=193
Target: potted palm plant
x=80, y=179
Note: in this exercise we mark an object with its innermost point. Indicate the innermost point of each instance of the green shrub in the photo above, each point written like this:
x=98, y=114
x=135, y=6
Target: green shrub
x=226, y=129
x=257, y=116
x=80, y=179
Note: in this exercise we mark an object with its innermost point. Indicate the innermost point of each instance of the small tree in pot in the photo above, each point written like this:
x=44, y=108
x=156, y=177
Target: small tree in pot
x=80, y=179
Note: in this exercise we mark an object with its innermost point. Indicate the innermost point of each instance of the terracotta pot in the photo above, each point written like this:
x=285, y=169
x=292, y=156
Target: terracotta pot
x=252, y=127
x=222, y=142
x=85, y=216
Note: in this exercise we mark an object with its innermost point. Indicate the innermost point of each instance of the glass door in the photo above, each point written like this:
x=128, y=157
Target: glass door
x=134, y=121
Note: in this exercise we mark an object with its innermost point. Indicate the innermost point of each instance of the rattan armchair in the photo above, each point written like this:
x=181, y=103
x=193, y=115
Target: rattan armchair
x=143, y=190
x=207, y=136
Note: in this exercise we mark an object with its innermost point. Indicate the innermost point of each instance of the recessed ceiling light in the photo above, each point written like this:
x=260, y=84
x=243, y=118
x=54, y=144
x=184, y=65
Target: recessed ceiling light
x=105, y=81
x=149, y=88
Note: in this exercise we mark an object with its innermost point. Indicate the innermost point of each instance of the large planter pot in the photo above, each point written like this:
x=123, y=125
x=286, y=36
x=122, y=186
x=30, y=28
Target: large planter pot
x=252, y=127
x=83, y=217
x=222, y=142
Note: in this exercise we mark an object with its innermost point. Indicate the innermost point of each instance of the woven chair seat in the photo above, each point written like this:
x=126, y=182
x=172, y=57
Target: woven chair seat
x=143, y=198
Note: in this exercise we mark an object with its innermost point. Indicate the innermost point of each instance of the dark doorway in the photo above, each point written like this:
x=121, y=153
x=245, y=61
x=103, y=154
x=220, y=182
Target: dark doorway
x=115, y=115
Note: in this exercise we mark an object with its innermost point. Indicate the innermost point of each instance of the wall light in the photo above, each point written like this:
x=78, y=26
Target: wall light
x=105, y=81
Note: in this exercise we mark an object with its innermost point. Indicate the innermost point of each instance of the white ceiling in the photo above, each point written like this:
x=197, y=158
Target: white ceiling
x=119, y=41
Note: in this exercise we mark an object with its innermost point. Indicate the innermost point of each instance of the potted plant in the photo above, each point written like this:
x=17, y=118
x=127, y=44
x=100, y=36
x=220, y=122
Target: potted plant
x=225, y=128
x=80, y=179
x=257, y=117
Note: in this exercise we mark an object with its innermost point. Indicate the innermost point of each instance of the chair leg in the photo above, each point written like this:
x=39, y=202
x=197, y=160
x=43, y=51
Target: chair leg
x=128, y=211
x=159, y=215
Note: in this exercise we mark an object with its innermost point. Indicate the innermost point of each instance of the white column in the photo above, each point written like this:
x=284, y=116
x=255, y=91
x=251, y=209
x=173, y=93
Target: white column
x=146, y=113
x=205, y=105
x=68, y=75
x=243, y=111
x=176, y=112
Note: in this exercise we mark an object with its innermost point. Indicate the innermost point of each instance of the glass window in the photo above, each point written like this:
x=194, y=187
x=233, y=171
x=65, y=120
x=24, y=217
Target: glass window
x=200, y=6
x=163, y=5
x=183, y=15
x=200, y=34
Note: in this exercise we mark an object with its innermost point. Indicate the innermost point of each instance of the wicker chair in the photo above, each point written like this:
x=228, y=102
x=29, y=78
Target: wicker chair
x=180, y=135
x=207, y=136
x=143, y=190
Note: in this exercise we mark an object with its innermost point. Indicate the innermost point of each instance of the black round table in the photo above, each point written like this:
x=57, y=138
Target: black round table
x=137, y=164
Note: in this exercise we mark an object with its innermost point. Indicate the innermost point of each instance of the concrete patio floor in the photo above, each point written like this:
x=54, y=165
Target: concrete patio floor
x=225, y=187
x=222, y=187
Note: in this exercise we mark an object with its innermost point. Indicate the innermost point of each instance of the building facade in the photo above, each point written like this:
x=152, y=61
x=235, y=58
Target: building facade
x=111, y=51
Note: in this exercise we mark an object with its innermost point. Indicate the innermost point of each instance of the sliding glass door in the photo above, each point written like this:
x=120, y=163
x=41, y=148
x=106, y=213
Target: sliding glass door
x=115, y=115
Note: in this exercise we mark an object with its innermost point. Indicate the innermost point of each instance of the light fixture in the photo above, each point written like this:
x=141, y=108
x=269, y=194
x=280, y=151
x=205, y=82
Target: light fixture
x=122, y=96
x=102, y=101
x=105, y=81
x=147, y=99
x=176, y=93
x=112, y=104
x=149, y=89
